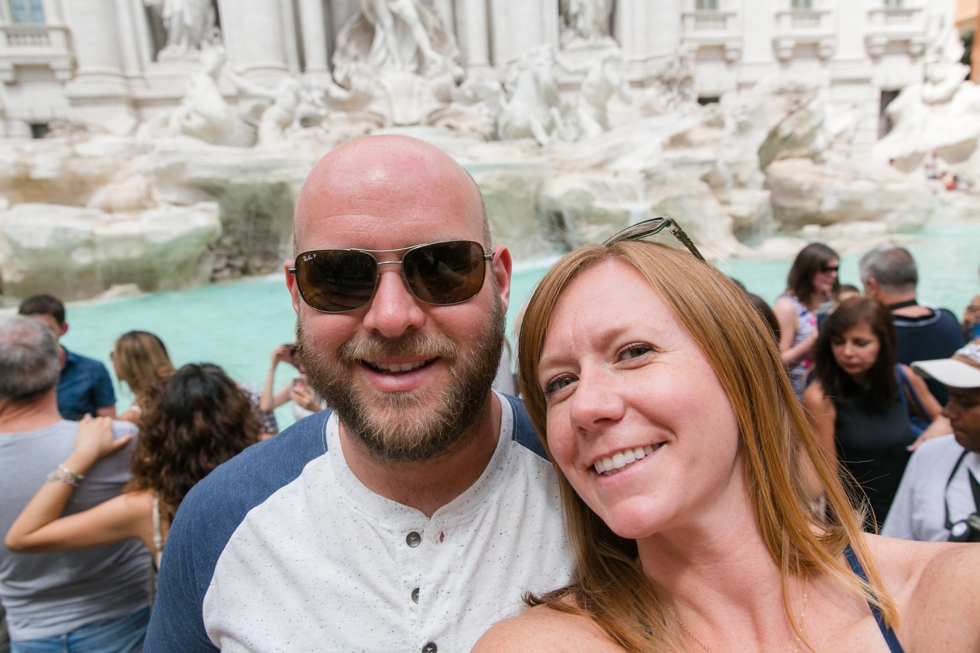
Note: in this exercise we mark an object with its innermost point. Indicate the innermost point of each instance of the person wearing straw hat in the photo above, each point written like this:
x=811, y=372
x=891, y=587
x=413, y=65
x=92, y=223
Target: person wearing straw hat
x=939, y=497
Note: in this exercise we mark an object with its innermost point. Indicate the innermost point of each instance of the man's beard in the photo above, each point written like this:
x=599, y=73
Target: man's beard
x=394, y=425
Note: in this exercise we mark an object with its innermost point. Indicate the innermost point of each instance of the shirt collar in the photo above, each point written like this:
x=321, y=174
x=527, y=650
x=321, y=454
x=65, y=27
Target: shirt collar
x=391, y=513
x=70, y=358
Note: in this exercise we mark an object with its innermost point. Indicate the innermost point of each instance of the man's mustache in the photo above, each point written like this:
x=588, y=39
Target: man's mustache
x=373, y=348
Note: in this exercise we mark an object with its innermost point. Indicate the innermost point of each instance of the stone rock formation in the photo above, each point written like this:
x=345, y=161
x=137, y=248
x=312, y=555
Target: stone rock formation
x=83, y=252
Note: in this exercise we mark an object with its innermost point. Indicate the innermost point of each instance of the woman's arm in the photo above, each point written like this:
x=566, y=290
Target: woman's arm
x=821, y=414
x=38, y=528
x=789, y=324
x=125, y=517
x=131, y=414
x=269, y=401
x=930, y=403
x=940, y=425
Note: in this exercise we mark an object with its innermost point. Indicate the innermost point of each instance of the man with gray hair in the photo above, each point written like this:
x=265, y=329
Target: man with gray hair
x=889, y=274
x=96, y=599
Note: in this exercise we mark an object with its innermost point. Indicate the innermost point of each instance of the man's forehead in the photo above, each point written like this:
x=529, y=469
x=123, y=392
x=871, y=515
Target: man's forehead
x=411, y=196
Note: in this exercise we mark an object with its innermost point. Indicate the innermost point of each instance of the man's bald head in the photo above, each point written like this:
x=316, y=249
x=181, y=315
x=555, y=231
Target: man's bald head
x=364, y=174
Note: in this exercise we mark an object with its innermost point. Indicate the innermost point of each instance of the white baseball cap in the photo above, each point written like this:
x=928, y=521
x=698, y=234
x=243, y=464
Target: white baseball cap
x=961, y=371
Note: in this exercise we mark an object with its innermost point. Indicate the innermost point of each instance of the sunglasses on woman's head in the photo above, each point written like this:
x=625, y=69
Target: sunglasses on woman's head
x=343, y=280
x=654, y=226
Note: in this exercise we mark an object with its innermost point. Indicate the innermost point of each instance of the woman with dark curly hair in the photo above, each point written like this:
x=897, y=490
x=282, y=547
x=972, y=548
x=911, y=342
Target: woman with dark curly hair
x=193, y=422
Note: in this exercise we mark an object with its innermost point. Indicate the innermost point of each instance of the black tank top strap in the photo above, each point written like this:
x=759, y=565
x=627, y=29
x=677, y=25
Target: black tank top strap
x=886, y=631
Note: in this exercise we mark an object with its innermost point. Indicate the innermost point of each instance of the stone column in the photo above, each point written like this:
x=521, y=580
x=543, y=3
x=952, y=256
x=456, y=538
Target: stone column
x=472, y=35
x=99, y=77
x=519, y=25
x=95, y=37
x=253, y=35
x=311, y=21
x=647, y=29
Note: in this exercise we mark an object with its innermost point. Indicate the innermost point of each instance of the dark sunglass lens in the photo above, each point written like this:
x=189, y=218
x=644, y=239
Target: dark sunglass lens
x=336, y=281
x=445, y=273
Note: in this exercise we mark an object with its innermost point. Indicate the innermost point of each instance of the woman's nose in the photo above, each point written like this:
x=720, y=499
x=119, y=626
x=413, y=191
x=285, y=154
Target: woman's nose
x=597, y=401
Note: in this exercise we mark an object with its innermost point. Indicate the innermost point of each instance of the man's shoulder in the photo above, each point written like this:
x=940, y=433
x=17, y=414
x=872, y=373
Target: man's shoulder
x=932, y=454
x=523, y=432
x=83, y=362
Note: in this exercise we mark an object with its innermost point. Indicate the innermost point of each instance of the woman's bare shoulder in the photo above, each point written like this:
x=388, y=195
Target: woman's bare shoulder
x=544, y=629
x=935, y=586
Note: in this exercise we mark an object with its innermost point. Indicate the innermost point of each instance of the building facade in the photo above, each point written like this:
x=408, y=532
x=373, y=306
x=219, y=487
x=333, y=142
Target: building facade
x=90, y=60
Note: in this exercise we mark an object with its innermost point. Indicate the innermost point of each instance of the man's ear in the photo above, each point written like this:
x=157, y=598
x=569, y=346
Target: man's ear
x=291, y=285
x=871, y=288
x=64, y=329
x=502, y=268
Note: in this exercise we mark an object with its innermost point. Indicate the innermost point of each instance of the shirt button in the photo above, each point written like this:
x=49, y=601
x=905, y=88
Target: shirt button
x=430, y=648
x=413, y=539
x=415, y=595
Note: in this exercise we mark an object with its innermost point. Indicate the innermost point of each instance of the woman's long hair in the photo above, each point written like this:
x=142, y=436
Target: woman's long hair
x=881, y=388
x=193, y=422
x=142, y=360
x=811, y=260
x=776, y=445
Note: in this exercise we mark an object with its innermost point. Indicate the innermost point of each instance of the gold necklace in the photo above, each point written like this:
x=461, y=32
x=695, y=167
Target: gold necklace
x=796, y=649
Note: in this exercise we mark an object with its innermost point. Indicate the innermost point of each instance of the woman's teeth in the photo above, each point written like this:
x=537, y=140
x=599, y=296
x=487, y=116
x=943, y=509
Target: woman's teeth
x=615, y=463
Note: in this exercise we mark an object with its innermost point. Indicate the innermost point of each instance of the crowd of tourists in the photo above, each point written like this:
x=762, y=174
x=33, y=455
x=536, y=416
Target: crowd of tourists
x=686, y=468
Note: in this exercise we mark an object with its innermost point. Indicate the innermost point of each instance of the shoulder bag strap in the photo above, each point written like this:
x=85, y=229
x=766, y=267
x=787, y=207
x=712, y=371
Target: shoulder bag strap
x=907, y=385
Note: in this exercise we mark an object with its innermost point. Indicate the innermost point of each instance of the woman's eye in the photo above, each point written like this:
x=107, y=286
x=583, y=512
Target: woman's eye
x=557, y=384
x=634, y=351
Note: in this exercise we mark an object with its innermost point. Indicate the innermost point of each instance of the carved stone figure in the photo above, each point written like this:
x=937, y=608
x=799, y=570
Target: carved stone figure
x=277, y=117
x=475, y=107
x=396, y=36
x=938, y=115
x=204, y=114
x=584, y=19
x=190, y=24
x=603, y=79
x=532, y=107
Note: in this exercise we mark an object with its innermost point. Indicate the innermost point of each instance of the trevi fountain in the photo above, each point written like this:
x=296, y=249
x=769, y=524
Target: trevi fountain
x=158, y=145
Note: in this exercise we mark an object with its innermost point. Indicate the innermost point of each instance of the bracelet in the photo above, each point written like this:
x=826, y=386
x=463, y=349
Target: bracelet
x=70, y=474
x=59, y=476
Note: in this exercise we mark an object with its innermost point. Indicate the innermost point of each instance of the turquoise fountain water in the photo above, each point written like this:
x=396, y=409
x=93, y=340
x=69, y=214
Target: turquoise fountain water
x=236, y=325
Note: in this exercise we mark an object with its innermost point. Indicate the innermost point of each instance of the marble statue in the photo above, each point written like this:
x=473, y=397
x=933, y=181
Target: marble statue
x=190, y=24
x=204, y=114
x=475, y=107
x=603, y=79
x=396, y=36
x=937, y=116
x=277, y=117
x=532, y=107
x=584, y=19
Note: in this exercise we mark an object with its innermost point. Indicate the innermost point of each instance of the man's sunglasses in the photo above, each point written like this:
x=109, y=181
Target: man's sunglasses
x=343, y=280
x=651, y=227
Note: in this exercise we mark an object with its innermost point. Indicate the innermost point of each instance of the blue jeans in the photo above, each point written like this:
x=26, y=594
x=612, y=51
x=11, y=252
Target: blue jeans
x=122, y=635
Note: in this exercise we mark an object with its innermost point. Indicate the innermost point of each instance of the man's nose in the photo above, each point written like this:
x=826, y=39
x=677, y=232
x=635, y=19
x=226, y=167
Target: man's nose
x=393, y=310
x=951, y=410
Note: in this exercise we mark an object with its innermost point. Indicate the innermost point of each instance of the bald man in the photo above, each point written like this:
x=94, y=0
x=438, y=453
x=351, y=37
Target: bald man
x=419, y=510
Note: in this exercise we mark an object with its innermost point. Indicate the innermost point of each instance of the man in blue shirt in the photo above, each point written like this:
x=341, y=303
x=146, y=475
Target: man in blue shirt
x=85, y=386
